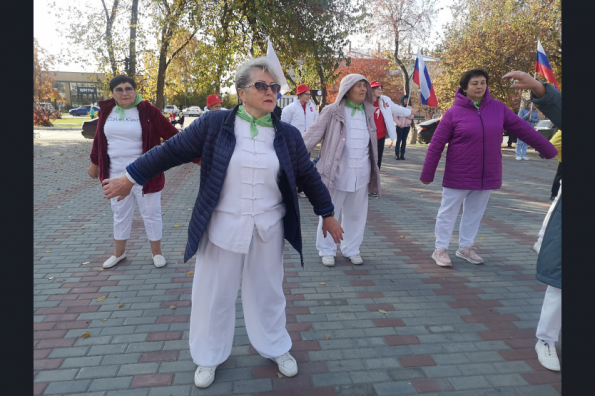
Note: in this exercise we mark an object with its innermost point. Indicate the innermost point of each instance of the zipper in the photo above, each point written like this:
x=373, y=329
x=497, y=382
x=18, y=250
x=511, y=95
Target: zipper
x=483, y=147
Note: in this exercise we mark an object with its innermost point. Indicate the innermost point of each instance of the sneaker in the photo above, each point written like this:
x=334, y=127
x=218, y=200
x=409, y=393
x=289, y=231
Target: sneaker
x=403, y=157
x=374, y=195
x=469, y=254
x=287, y=364
x=329, y=261
x=302, y=194
x=547, y=356
x=159, y=261
x=356, y=259
x=441, y=257
x=110, y=262
x=397, y=157
x=518, y=158
x=525, y=158
x=204, y=376
x=537, y=246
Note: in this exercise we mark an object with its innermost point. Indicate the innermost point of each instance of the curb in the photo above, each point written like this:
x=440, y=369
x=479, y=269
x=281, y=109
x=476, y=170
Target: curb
x=58, y=128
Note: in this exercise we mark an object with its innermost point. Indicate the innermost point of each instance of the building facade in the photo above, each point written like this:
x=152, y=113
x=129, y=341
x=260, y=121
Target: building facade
x=78, y=88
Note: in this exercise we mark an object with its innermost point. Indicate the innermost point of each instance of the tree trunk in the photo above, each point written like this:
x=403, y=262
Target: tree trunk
x=162, y=69
x=108, y=34
x=133, y=24
x=407, y=88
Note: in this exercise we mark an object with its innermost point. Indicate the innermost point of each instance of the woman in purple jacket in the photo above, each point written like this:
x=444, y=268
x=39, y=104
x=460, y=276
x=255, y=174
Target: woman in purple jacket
x=472, y=127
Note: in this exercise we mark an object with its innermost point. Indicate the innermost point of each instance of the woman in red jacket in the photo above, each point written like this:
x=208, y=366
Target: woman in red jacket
x=127, y=128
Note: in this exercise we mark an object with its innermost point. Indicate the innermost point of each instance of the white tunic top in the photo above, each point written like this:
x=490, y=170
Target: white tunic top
x=250, y=196
x=295, y=115
x=124, y=140
x=353, y=170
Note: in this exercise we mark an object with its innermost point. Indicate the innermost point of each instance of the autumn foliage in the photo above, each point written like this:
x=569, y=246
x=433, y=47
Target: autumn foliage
x=373, y=68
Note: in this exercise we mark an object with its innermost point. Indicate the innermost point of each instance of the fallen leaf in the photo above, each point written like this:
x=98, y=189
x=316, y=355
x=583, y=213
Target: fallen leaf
x=392, y=281
x=100, y=269
x=101, y=298
x=86, y=262
x=48, y=251
x=121, y=305
x=51, y=277
x=172, y=307
x=60, y=280
x=433, y=218
x=86, y=334
x=327, y=336
x=190, y=273
x=103, y=320
x=279, y=375
x=49, y=195
x=322, y=283
x=83, y=227
x=402, y=236
x=176, y=226
x=482, y=239
x=382, y=311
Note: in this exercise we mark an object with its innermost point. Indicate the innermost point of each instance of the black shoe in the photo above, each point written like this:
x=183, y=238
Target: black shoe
x=402, y=157
x=373, y=195
x=397, y=157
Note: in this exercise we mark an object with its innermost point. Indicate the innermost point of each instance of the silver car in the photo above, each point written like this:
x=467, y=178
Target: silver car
x=193, y=111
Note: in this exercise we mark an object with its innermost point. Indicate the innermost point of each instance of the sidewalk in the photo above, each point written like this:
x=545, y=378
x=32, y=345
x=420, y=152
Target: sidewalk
x=396, y=325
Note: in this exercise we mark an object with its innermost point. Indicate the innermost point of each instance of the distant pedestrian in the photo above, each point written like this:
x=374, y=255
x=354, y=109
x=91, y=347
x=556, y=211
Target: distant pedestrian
x=214, y=103
x=181, y=120
x=472, y=128
x=92, y=112
x=403, y=127
x=172, y=117
x=530, y=115
x=128, y=127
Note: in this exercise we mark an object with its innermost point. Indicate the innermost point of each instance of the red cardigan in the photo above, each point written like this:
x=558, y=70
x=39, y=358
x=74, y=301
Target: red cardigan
x=154, y=126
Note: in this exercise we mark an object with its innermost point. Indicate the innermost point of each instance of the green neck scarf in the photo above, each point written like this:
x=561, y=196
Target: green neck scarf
x=354, y=107
x=120, y=109
x=477, y=103
x=265, y=120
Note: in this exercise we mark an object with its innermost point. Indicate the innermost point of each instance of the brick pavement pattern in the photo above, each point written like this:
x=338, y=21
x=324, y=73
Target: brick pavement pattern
x=398, y=324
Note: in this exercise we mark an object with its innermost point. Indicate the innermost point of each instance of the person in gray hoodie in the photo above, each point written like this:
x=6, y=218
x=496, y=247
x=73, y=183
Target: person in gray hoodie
x=348, y=163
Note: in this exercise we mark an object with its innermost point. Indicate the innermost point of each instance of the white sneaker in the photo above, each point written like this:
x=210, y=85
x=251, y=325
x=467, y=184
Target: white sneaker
x=159, y=261
x=356, y=259
x=329, y=261
x=204, y=376
x=525, y=158
x=537, y=246
x=518, y=158
x=287, y=364
x=110, y=262
x=302, y=194
x=547, y=356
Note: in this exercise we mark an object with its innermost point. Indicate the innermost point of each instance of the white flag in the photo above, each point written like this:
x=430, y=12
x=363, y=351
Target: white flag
x=276, y=65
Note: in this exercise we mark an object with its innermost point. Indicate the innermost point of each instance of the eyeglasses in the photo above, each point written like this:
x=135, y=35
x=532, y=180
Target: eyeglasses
x=263, y=88
x=120, y=91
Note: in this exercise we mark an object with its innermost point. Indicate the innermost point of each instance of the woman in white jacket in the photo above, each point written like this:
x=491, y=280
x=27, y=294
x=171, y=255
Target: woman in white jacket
x=383, y=117
x=301, y=114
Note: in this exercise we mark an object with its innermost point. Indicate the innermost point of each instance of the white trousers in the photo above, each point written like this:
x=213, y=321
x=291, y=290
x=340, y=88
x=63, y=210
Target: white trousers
x=474, y=205
x=217, y=277
x=354, y=207
x=548, y=215
x=149, y=206
x=550, y=320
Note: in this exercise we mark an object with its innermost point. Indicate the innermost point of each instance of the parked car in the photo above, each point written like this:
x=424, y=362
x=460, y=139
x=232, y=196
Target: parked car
x=193, y=111
x=546, y=128
x=89, y=128
x=425, y=130
x=82, y=110
x=169, y=108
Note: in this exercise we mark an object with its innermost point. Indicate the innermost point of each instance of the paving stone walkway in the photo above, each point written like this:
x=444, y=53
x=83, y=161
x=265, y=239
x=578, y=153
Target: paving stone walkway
x=397, y=325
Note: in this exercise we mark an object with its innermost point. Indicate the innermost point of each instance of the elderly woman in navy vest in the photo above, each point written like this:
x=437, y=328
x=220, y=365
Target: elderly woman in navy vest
x=246, y=205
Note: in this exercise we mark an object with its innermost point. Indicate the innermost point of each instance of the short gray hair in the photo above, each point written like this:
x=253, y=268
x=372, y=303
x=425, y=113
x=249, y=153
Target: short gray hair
x=244, y=72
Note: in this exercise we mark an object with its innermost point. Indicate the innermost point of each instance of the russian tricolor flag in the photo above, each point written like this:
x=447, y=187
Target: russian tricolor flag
x=543, y=67
x=428, y=97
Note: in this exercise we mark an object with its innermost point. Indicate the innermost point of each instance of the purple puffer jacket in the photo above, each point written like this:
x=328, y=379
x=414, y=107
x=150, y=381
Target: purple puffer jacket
x=474, y=137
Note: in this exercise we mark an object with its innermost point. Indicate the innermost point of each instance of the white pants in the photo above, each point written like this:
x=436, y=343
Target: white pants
x=474, y=205
x=548, y=215
x=354, y=207
x=217, y=277
x=550, y=320
x=149, y=206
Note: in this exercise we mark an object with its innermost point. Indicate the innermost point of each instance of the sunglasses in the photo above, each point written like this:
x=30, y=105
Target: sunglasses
x=120, y=91
x=263, y=88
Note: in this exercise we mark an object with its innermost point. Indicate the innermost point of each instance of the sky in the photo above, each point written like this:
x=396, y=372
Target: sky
x=44, y=30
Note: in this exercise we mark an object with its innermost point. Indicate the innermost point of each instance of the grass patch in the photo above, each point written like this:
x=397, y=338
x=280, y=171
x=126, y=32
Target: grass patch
x=74, y=121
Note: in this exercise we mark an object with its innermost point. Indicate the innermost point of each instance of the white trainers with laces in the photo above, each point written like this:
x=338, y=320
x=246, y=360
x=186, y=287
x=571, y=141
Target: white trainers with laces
x=204, y=376
x=287, y=364
x=525, y=158
x=302, y=194
x=469, y=254
x=441, y=257
x=329, y=261
x=547, y=356
x=356, y=259
x=518, y=158
x=110, y=262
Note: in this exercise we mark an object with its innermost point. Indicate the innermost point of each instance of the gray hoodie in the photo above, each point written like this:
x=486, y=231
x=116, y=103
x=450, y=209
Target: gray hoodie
x=331, y=129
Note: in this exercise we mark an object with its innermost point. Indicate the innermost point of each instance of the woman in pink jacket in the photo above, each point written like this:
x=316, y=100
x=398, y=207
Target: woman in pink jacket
x=472, y=127
x=403, y=127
